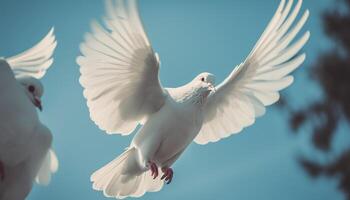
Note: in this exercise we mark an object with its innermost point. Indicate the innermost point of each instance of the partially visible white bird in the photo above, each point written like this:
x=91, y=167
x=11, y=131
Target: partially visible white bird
x=119, y=73
x=24, y=140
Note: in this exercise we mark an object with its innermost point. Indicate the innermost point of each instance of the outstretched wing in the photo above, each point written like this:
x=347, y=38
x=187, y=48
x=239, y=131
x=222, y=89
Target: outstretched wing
x=256, y=82
x=35, y=61
x=119, y=71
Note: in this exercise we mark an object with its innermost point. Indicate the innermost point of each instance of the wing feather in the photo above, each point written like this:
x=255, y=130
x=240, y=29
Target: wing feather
x=119, y=70
x=256, y=83
x=36, y=60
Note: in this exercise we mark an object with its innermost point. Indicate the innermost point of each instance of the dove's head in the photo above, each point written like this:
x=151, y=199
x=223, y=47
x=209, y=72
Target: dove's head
x=203, y=84
x=34, y=90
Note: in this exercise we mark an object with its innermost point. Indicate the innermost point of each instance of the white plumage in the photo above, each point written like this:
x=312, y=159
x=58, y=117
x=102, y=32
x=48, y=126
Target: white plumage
x=256, y=82
x=119, y=73
x=25, y=141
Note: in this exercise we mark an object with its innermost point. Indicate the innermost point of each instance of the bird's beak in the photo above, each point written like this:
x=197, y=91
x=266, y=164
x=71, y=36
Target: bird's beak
x=212, y=87
x=37, y=103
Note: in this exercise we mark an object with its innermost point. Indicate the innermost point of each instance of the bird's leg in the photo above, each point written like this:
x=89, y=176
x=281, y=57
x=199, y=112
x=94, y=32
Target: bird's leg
x=154, y=169
x=2, y=171
x=167, y=174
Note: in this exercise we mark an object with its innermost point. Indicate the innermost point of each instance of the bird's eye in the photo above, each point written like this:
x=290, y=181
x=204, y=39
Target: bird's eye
x=31, y=88
x=202, y=79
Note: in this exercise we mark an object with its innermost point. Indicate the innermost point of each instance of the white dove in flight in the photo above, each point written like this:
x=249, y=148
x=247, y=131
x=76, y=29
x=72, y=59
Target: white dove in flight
x=25, y=153
x=119, y=74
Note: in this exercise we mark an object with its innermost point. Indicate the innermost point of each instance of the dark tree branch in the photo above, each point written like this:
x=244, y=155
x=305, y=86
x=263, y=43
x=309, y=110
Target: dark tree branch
x=332, y=72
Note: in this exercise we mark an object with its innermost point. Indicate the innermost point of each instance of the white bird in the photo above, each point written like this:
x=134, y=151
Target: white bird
x=119, y=73
x=25, y=142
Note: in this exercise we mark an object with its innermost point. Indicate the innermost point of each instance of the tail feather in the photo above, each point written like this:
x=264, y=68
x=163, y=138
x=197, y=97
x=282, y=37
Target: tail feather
x=130, y=186
x=115, y=179
x=103, y=176
x=109, y=167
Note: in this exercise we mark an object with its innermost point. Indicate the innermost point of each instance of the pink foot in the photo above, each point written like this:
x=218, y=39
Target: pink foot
x=154, y=169
x=167, y=174
x=2, y=171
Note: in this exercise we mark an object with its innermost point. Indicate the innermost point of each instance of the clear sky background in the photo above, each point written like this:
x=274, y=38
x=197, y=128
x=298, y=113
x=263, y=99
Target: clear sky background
x=191, y=36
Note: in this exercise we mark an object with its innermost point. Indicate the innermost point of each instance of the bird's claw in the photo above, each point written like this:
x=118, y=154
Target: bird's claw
x=167, y=174
x=2, y=171
x=154, y=170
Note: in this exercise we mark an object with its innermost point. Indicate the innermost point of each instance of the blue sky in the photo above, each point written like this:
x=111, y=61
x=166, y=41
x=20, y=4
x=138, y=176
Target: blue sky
x=191, y=36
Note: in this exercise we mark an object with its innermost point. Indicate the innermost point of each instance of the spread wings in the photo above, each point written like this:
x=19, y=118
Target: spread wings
x=119, y=70
x=35, y=61
x=256, y=82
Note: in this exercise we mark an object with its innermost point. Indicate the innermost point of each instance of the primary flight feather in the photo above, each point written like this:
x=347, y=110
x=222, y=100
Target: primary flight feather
x=25, y=154
x=119, y=73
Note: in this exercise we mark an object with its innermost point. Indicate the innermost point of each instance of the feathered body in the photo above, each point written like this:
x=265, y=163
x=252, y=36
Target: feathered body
x=18, y=134
x=161, y=139
x=25, y=141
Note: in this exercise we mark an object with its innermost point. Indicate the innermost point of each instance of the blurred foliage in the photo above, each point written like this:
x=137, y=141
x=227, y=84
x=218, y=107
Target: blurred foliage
x=331, y=71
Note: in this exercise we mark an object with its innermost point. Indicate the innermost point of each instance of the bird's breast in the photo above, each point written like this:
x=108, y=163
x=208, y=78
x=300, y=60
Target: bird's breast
x=174, y=125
